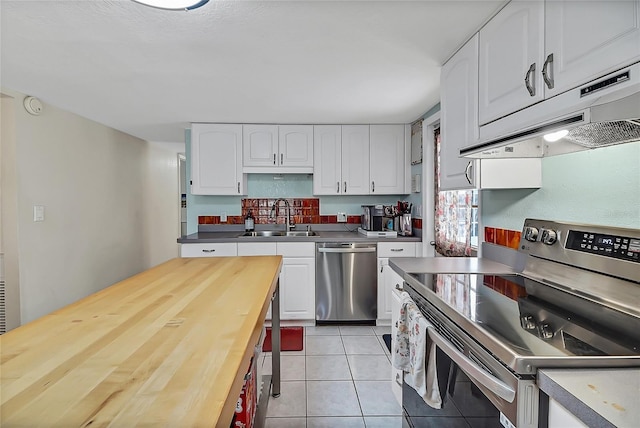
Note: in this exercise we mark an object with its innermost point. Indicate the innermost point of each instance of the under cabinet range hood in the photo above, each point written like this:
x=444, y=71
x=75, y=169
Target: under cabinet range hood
x=601, y=113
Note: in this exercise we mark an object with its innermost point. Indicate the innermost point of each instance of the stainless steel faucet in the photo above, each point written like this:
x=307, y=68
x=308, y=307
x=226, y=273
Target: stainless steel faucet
x=290, y=225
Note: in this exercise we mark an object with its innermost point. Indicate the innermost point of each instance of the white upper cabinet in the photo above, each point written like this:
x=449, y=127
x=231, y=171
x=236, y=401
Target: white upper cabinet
x=360, y=160
x=533, y=50
x=295, y=144
x=588, y=39
x=260, y=145
x=458, y=116
x=355, y=159
x=327, y=158
x=278, y=148
x=341, y=160
x=389, y=159
x=511, y=54
x=216, y=160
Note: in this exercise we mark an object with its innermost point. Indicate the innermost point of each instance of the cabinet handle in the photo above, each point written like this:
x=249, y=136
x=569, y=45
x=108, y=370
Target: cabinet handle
x=338, y=187
x=238, y=187
x=527, y=80
x=274, y=158
x=345, y=187
x=397, y=249
x=281, y=158
x=373, y=186
x=208, y=251
x=467, y=170
x=546, y=71
x=381, y=268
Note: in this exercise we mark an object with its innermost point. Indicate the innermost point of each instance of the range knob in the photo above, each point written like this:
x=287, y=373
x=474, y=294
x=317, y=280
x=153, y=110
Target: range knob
x=528, y=322
x=545, y=331
x=549, y=236
x=531, y=233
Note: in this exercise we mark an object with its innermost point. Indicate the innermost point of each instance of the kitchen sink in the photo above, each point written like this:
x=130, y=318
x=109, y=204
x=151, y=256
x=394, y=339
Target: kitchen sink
x=272, y=233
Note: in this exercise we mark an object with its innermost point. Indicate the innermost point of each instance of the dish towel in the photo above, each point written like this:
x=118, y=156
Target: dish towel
x=415, y=354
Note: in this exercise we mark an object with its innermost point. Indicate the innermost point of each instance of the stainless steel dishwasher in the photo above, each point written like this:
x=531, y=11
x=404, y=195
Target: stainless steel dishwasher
x=346, y=282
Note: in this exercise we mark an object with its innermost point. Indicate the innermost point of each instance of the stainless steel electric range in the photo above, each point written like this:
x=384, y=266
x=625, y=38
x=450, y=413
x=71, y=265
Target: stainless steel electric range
x=575, y=304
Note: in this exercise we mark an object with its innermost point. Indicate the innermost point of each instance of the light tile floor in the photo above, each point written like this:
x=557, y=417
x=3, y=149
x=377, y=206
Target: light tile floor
x=341, y=378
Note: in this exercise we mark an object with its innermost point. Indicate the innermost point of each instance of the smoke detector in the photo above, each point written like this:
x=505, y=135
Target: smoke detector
x=33, y=106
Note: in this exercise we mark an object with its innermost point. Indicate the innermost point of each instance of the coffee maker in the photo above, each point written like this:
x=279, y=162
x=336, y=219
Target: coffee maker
x=373, y=217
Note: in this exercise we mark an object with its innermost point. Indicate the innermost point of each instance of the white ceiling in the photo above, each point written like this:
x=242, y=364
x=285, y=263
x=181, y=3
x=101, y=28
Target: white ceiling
x=150, y=72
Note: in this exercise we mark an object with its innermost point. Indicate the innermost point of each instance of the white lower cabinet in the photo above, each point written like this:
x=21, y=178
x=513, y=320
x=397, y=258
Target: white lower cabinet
x=297, y=280
x=560, y=417
x=396, y=375
x=385, y=274
x=256, y=248
x=218, y=249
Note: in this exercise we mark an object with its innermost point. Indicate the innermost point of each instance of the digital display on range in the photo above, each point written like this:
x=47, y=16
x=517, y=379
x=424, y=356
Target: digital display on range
x=618, y=247
x=604, y=240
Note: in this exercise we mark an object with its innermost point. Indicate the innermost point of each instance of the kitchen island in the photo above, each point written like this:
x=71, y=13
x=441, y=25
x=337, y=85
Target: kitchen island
x=166, y=347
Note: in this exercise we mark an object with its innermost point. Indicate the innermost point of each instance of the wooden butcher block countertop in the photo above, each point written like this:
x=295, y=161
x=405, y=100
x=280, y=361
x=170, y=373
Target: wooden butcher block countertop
x=167, y=347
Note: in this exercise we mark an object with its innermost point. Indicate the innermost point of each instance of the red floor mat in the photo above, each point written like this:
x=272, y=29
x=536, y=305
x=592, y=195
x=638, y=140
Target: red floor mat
x=290, y=339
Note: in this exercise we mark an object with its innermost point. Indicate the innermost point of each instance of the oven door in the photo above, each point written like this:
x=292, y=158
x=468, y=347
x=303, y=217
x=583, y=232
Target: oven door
x=481, y=391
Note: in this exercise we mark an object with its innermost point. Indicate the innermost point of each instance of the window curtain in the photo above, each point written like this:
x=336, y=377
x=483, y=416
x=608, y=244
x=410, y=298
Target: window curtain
x=452, y=216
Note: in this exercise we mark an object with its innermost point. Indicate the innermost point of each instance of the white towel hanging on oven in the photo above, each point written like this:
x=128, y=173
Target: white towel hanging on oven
x=415, y=354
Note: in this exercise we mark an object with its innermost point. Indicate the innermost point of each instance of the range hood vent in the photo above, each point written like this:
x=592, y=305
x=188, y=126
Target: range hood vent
x=600, y=114
x=604, y=134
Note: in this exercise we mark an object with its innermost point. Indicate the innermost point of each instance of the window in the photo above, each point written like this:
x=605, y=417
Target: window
x=456, y=216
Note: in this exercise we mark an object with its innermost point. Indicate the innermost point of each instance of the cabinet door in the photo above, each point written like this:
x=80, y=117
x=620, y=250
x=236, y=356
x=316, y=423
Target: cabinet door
x=396, y=375
x=458, y=116
x=589, y=39
x=388, y=279
x=256, y=248
x=216, y=160
x=260, y=145
x=388, y=165
x=296, y=145
x=355, y=159
x=327, y=158
x=297, y=288
x=384, y=310
x=511, y=44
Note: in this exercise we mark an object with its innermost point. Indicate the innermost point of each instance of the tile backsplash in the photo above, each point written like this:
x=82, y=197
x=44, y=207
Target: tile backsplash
x=303, y=211
x=504, y=237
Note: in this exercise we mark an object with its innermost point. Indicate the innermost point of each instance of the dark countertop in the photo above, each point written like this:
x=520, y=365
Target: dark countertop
x=323, y=236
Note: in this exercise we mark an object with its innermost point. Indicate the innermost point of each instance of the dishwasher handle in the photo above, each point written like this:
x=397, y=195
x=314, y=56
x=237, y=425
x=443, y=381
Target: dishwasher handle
x=348, y=250
x=492, y=383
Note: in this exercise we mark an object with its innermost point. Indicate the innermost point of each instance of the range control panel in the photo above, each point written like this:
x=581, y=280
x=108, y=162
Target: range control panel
x=619, y=247
x=614, y=251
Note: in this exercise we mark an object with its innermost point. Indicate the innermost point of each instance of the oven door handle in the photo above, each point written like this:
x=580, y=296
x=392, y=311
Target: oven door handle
x=490, y=382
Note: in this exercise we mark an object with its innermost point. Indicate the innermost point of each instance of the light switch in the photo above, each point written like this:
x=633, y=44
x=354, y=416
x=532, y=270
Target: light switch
x=38, y=213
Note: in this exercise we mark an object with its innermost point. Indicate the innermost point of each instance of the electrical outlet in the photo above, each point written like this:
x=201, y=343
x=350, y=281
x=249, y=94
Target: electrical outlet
x=342, y=217
x=223, y=217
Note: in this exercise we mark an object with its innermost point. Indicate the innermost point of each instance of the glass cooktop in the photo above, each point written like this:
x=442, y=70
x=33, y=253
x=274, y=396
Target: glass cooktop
x=504, y=308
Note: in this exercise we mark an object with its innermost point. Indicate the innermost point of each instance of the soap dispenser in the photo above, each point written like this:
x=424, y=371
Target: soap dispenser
x=249, y=222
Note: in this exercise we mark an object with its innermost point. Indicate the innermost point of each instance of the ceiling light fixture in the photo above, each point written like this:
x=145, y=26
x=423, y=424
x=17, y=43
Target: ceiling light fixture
x=173, y=4
x=555, y=136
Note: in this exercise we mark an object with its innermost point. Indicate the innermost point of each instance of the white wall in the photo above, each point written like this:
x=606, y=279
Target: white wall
x=8, y=212
x=161, y=203
x=109, y=199
x=600, y=186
